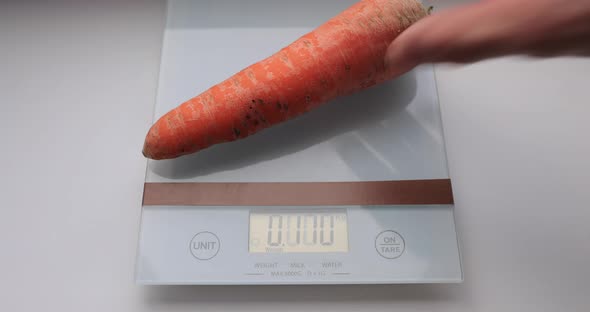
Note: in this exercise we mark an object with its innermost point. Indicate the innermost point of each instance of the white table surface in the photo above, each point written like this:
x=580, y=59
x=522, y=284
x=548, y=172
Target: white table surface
x=77, y=88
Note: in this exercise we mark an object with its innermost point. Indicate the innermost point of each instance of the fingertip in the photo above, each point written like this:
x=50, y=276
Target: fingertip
x=407, y=50
x=395, y=61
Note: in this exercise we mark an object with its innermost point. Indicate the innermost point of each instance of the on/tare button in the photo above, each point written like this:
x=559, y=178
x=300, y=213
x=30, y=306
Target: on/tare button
x=390, y=244
x=204, y=245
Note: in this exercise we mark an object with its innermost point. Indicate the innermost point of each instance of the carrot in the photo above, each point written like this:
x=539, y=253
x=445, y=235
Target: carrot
x=342, y=56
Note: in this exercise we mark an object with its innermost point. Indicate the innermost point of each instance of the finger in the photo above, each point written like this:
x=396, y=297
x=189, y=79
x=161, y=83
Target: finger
x=465, y=34
x=567, y=45
x=494, y=28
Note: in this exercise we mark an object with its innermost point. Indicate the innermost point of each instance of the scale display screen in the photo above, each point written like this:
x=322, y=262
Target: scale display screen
x=302, y=232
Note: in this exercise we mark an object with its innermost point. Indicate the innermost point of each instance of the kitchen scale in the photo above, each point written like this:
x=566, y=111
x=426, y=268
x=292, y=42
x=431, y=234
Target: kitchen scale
x=354, y=192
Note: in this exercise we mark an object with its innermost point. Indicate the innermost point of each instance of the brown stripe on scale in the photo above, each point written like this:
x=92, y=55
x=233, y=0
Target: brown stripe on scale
x=403, y=192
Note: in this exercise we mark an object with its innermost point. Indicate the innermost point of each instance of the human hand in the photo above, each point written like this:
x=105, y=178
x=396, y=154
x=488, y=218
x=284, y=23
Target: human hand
x=494, y=28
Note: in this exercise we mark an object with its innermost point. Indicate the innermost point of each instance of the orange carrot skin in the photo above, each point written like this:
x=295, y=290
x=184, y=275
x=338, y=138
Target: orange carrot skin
x=342, y=56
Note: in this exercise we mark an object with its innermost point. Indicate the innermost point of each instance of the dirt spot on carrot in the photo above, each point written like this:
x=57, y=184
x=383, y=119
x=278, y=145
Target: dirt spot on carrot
x=347, y=67
x=282, y=107
x=236, y=132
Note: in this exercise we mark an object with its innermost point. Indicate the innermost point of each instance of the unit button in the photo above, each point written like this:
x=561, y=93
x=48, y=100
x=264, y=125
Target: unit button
x=204, y=245
x=390, y=244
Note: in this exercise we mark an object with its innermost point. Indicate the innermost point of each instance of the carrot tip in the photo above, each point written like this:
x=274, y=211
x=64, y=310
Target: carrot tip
x=146, y=150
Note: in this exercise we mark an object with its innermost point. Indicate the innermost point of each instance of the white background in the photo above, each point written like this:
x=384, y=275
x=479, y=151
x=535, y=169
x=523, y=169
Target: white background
x=77, y=89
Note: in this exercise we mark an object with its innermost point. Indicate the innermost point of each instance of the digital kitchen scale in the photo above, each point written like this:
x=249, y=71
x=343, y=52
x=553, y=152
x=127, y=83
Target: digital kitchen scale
x=354, y=192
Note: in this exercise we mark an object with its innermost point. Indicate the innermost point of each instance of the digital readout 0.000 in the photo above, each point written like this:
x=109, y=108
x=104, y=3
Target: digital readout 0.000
x=294, y=231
